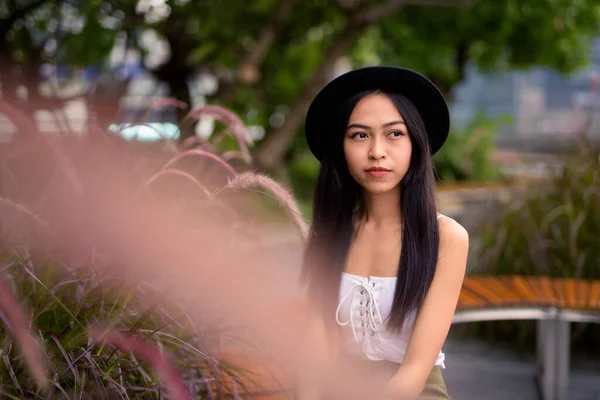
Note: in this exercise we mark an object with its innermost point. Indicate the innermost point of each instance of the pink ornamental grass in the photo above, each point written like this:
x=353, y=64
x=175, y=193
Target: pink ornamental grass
x=250, y=180
x=162, y=103
x=168, y=102
x=233, y=155
x=198, y=142
x=201, y=153
x=160, y=362
x=18, y=118
x=19, y=327
x=192, y=258
x=178, y=172
x=235, y=126
x=29, y=126
x=226, y=116
x=8, y=205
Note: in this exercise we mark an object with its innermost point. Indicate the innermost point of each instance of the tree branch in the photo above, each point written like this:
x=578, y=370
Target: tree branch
x=348, y=5
x=278, y=142
x=461, y=58
x=248, y=72
x=380, y=11
x=440, y=3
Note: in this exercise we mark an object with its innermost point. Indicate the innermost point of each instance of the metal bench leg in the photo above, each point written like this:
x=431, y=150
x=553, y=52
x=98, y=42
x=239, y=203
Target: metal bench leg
x=546, y=357
x=563, y=352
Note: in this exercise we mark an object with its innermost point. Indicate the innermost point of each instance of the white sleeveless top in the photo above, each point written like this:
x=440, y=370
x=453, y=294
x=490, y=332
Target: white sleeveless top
x=365, y=304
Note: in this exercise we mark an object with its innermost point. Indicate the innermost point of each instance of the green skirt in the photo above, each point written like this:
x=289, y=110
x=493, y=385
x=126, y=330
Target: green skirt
x=380, y=372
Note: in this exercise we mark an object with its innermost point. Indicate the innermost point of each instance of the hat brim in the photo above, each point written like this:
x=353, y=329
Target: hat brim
x=425, y=96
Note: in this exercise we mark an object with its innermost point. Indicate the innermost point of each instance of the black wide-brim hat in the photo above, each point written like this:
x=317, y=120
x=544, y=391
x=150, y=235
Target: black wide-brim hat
x=423, y=93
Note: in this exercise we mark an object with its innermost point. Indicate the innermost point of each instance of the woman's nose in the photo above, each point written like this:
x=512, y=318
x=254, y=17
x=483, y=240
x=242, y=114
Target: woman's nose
x=376, y=151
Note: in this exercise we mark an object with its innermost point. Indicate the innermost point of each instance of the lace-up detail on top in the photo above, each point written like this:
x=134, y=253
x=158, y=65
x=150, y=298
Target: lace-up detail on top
x=363, y=297
x=364, y=307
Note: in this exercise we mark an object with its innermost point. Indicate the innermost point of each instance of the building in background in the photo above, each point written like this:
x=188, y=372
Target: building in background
x=542, y=104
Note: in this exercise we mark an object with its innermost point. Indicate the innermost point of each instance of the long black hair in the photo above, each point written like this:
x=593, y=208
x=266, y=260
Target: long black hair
x=337, y=198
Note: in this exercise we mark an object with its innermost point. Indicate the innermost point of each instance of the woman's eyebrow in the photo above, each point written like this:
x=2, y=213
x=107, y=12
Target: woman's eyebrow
x=361, y=126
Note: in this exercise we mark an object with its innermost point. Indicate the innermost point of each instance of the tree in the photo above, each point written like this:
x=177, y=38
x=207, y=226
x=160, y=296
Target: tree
x=59, y=34
x=490, y=34
x=272, y=56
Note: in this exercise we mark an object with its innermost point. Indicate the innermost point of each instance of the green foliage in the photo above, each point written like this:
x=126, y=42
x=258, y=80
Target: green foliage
x=552, y=229
x=490, y=34
x=556, y=34
x=468, y=155
x=302, y=172
x=64, y=303
x=217, y=36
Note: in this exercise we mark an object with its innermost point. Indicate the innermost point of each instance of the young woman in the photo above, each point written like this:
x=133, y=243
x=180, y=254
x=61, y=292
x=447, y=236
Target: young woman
x=384, y=270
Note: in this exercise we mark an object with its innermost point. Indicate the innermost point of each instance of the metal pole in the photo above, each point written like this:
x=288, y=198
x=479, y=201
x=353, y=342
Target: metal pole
x=563, y=355
x=546, y=357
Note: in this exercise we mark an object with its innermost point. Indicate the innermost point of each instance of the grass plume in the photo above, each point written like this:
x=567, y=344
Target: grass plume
x=176, y=271
x=205, y=154
x=253, y=181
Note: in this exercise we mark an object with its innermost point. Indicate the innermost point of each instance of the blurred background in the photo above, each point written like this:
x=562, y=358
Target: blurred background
x=158, y=78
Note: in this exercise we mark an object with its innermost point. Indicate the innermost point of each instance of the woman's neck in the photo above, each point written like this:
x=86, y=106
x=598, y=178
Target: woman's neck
x=382, y=209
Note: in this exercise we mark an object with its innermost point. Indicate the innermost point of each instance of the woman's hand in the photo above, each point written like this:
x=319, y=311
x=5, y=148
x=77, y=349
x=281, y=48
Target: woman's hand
x=402, y=387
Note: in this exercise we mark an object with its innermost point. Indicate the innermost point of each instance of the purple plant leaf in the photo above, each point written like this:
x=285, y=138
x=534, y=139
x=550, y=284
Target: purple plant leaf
x=159, y=361
x=19, y=326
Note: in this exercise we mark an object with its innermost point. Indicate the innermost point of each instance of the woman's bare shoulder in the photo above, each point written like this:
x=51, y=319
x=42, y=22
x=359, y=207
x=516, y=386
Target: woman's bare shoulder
x=452, y=232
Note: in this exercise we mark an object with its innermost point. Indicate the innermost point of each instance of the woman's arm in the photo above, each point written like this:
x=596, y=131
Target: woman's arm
x=314, y=359
x=435, y=316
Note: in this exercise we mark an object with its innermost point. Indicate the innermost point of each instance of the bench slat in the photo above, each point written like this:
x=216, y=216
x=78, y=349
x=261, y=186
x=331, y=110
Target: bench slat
x=525, y=290
x=475, y=285
x=504, y=289
x=582, y=288
x=544, y=289
x=469, y=300
x=570, y=291
x=558, y=285
x=594, y=296
x=517, y=290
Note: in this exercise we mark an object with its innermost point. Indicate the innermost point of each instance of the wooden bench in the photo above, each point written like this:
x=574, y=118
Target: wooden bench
x=554, y=303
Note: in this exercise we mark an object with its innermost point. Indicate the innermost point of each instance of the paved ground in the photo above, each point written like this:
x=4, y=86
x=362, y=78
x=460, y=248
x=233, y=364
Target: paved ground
x=477, y=370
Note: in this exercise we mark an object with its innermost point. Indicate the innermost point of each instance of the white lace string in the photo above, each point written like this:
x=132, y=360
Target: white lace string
x=370, y=308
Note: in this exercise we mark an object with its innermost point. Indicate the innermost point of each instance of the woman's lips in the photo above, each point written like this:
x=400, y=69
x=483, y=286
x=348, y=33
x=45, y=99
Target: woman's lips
x=378, y=172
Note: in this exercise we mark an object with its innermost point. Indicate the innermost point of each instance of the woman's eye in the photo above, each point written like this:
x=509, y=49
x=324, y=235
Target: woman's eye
x=396, y=134
x=359, y=135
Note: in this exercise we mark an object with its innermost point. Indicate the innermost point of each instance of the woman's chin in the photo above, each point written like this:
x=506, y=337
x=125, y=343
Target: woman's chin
x=379, y=188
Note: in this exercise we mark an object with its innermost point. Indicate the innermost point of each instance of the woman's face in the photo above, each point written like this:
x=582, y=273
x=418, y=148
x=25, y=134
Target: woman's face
x=376, y=144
